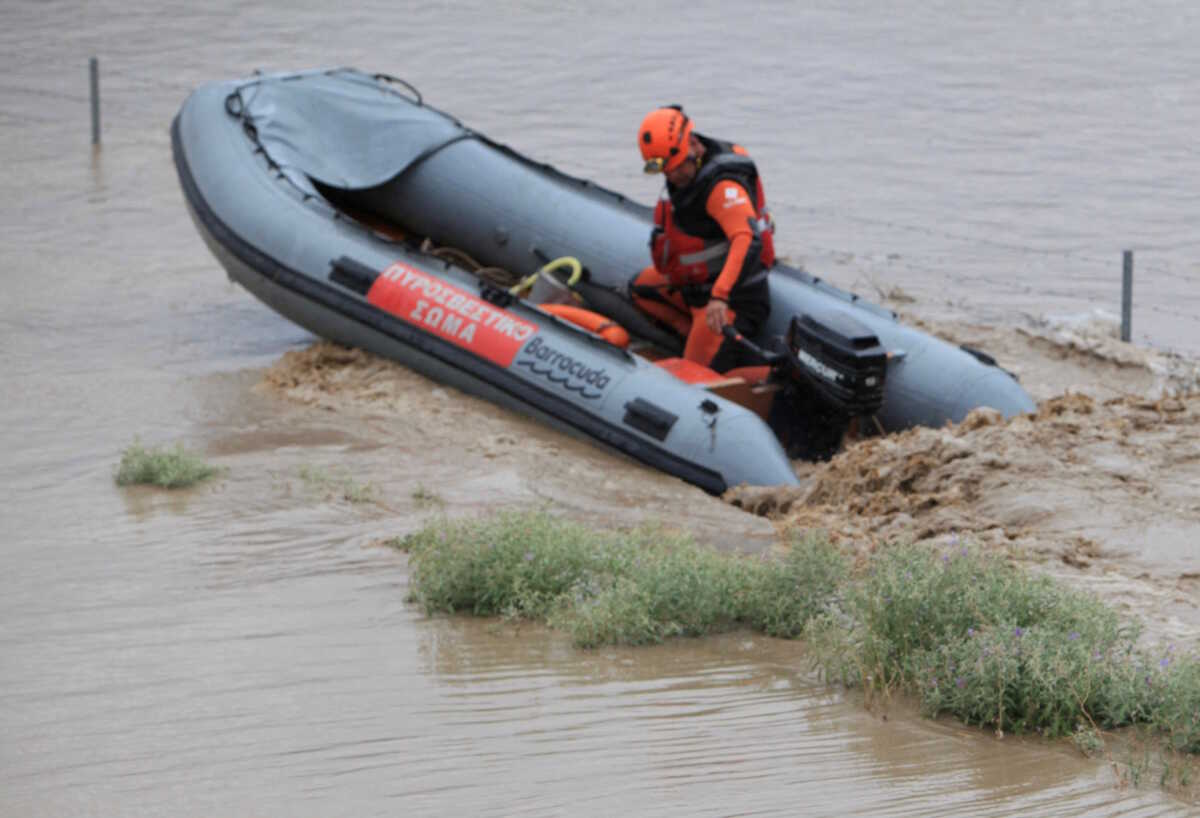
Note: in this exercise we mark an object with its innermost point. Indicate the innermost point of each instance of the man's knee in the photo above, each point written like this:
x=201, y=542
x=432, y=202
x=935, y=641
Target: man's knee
x=648, y=285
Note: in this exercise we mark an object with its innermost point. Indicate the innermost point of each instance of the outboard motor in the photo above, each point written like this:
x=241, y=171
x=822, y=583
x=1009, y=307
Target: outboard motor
x=835, y=373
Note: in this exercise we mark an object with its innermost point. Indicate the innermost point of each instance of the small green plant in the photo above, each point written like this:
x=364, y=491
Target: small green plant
x=424, y=498
x=166, y=468
x=397, y=543
x=1138, y=755
x=340, y=485
x=1088, y=740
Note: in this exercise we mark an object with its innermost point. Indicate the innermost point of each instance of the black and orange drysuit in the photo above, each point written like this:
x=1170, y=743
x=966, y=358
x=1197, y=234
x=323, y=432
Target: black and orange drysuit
x=711, y=239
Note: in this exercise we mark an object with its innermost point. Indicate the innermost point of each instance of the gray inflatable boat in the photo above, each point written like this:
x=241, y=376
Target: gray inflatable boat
x=348, y=205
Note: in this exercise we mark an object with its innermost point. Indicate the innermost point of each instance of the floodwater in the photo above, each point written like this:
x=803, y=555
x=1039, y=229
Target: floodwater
x=245, y=647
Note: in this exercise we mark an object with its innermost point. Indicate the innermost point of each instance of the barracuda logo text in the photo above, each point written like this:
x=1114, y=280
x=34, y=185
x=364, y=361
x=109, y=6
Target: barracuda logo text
x=571, y=373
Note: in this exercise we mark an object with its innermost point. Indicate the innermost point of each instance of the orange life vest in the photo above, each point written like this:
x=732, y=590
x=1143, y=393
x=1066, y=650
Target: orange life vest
x=688, y=246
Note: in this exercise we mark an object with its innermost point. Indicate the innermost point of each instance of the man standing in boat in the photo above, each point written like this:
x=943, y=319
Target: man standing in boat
x=711, y=244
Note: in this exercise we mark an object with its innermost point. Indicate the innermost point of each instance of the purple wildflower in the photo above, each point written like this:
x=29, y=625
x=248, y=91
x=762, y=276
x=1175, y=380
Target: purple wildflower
x=1073, y=635
x=528, y=556
x=959, y=681
x=1166, y=661
x=945, y=558
x=1018, y=631
x=954, y=538
x=970, y=631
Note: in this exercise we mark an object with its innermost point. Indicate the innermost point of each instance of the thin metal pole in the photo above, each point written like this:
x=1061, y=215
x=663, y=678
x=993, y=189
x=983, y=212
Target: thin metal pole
x=1127, y=297
x=94, y=71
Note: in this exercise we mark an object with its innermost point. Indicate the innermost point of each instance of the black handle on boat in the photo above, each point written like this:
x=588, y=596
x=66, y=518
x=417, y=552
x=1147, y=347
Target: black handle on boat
x=772, y=358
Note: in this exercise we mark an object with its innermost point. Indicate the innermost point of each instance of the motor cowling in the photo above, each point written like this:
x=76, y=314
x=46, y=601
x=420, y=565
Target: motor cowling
x=835, y=369
x=841, y=359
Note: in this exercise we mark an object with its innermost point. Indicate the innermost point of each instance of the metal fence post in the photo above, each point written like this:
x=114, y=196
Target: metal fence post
x=94, y=72
x=1127, y=297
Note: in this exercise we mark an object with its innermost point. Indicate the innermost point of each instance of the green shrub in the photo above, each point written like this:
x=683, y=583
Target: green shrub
x=663, y=586
x=914, y=601
x=634, y=588
x=1020, y=679
x=167, y=468
x=970, y=635
x=513, y=564
x=1175, y=682
x=786, y=594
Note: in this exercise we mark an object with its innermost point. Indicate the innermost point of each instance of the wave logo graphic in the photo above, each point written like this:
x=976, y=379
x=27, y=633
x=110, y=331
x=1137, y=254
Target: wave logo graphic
x=570, y=373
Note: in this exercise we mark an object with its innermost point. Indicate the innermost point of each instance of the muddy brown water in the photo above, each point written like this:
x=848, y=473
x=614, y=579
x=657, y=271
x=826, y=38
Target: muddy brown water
x=245, y=647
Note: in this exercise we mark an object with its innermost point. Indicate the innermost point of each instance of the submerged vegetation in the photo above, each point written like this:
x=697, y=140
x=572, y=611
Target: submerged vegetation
x=425, y=498
x=166, y=468
x=965, y=632
x=337, y=485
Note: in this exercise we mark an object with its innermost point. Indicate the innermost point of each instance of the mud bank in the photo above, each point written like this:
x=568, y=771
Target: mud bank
x=1101, y=485
x=439, y=450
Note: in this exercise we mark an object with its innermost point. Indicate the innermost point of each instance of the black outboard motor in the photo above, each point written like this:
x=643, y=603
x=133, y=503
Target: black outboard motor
x=836, y=369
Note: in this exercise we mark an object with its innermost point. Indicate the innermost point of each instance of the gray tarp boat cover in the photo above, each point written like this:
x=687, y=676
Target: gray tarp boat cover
x=343, y=128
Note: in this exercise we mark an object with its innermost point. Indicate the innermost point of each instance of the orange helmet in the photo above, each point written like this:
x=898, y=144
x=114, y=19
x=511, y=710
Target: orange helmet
x=663, y=138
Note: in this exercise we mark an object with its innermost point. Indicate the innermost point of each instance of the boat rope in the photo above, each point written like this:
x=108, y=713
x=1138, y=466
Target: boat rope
x=495, y=275
x=396, y=80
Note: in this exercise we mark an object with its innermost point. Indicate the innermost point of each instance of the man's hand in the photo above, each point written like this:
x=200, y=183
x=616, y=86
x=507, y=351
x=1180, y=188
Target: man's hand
x=716, y=315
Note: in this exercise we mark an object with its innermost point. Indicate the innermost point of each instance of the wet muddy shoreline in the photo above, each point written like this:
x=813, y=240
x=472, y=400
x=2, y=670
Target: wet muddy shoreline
x=1096, y=487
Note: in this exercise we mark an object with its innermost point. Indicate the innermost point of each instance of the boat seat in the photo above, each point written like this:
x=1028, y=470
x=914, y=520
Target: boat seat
x=593, y=322
x=691, y=372
x=746, y=386
x=699, y=374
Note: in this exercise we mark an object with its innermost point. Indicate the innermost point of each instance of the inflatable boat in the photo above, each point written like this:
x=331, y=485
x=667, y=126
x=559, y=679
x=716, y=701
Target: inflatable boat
x=348, y=205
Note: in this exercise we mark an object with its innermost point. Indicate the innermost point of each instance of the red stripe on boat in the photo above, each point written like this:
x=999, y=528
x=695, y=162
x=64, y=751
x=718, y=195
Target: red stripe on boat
x=450, y=312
